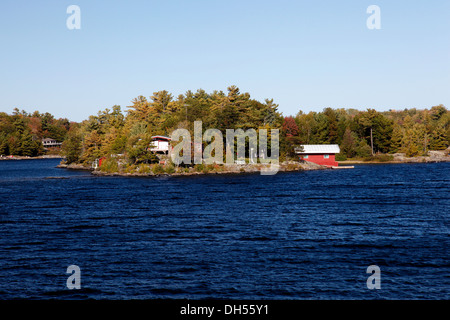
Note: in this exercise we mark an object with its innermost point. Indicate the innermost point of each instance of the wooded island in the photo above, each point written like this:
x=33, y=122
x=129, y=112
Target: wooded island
x=122, y=138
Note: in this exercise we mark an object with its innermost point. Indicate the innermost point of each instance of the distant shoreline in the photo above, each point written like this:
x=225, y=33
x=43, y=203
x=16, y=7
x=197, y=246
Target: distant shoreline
x=15, y=158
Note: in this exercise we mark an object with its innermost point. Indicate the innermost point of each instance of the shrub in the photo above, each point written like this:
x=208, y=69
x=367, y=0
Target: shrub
x=170, y=169
x=158, y=169
x=199, y=167
x=143, y=168
x=109, y=165
x=130, y=168
x=380, y=158
x=341, y=157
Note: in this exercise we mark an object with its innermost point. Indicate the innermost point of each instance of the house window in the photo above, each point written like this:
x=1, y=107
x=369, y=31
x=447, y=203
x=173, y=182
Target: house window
x=305, y=157
x=326, y=156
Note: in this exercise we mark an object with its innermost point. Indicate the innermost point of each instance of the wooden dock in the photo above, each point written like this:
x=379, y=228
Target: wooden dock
x=343, y=167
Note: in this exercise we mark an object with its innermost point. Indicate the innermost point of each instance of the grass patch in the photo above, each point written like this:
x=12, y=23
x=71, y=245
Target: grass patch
x=379, y=158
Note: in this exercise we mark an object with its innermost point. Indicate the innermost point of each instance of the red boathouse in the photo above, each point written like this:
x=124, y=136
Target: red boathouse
x=323, y=154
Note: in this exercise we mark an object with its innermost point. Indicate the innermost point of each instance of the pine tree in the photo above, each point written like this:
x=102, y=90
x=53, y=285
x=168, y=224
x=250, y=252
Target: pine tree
x=348, y=145
x=363, y=149
x=91, y=147
x=412, y=141
x=438, y=140
x=332, y=125
x=71, y=147
x=396, y=139
x=27, y=146
x=3, y=144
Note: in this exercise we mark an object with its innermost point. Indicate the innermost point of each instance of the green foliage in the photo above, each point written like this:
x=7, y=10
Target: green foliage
x=363, y=149
x=380, y=158
x=170, y=169
x=27, y=146
x=374, y=126
x=144, y=168
x=91, y=147
x=109, y=165
x=157, y=169
x=21, y=133
x=396, y=139
x=71, y=147
x=439, y=139
x=349, y=143
x=341, y=157
x=3, y=144
x=138, y=151
x=110, y=132
x=200, y=167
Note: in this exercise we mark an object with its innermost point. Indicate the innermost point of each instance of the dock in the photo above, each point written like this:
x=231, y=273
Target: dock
x=343, y=167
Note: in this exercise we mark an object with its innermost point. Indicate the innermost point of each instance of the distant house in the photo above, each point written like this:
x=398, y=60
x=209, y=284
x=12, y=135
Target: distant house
x=323, y=154
x=49, y=143
x=160, y=144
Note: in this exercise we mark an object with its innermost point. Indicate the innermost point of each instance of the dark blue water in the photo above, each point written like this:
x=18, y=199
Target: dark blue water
x=303, y=235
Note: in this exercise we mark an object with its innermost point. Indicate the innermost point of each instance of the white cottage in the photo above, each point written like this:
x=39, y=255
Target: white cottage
x=160, y=144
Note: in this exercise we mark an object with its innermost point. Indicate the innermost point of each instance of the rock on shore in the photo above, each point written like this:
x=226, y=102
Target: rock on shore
x=74, y=166
x=433, y=156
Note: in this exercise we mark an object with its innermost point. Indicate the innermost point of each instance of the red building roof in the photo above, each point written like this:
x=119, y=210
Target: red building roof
x=161, y=138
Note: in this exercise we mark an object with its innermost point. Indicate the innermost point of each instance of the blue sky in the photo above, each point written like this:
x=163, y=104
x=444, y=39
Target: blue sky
x=306, y=55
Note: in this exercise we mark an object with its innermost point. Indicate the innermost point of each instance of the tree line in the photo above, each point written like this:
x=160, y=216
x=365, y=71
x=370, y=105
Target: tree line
x=366, y=133
x=21, y=133
x=113, y=131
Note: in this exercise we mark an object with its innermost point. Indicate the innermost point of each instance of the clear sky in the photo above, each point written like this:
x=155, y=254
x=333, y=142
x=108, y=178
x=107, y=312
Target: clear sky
x=306, y=55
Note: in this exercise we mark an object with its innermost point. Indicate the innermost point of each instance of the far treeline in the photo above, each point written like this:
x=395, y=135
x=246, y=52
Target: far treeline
x=21, y=133
x=360, y=134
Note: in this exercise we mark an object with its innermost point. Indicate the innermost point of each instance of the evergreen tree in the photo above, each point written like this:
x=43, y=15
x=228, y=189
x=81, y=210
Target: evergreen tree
x=72, y=147
x=14, y=145
x=27, y=146
x=3, y=144
x=363, y=149
x=396, y=139
x=349, y=143
x=91, y=147
x=332, y=125
x=438, y=141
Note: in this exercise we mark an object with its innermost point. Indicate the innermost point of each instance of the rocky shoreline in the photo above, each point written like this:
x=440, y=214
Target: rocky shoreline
x=433, y=157
x=286, y=166
x=30, y=158
x=74, y=166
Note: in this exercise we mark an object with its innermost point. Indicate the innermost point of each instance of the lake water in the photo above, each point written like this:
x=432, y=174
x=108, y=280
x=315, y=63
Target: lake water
x=301, y=235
